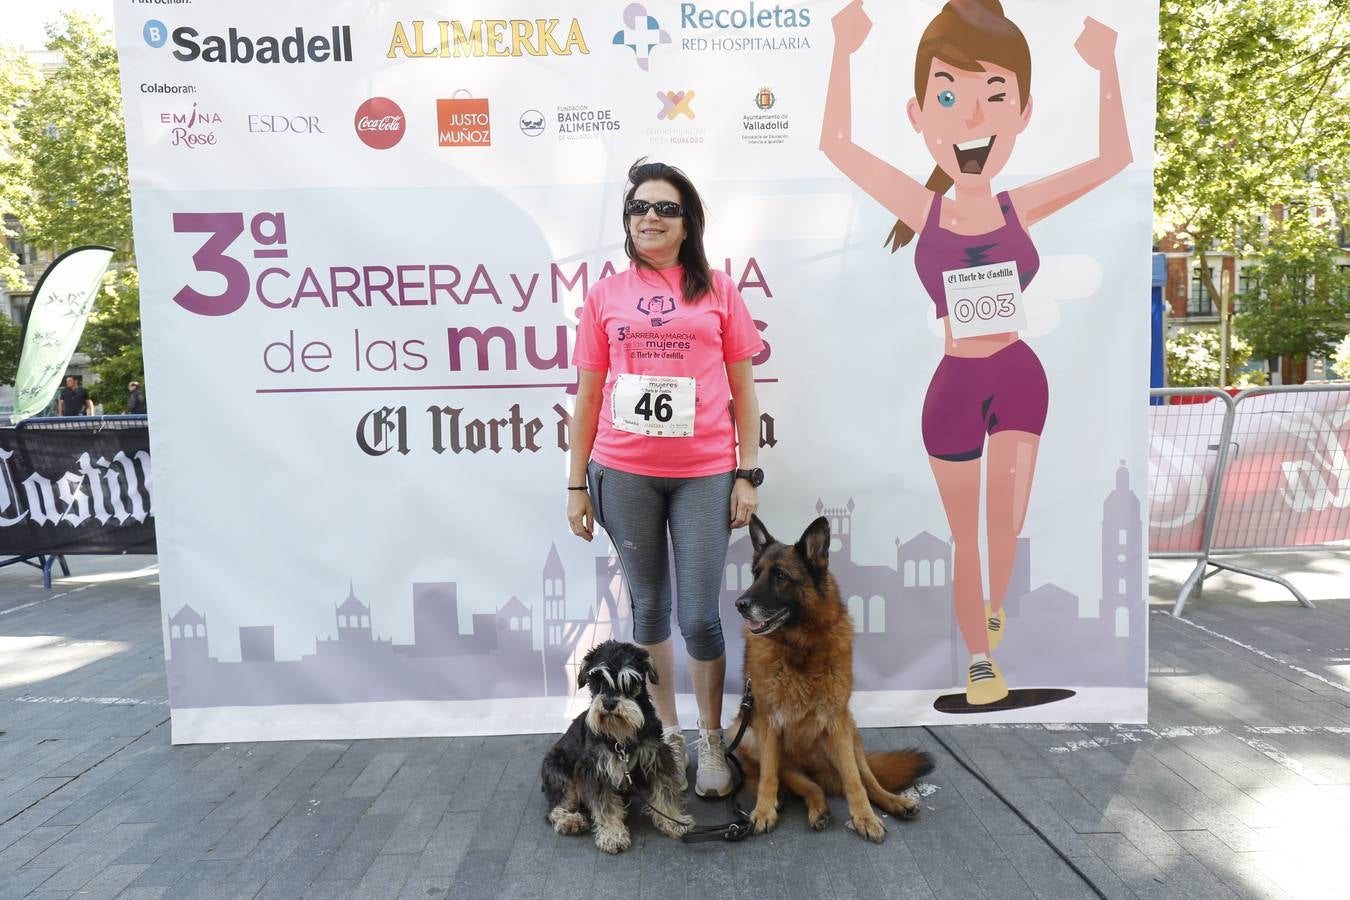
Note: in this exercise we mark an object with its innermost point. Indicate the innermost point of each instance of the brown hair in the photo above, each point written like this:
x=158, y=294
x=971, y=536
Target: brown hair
x=697, y=280
x=964, y=34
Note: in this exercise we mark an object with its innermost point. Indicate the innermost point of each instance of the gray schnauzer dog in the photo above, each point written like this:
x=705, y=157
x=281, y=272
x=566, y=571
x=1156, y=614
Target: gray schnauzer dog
x=613, y=750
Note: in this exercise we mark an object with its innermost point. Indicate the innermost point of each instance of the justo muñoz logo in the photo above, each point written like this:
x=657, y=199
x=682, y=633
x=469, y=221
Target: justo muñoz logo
x=379, y=123
x=463, y=122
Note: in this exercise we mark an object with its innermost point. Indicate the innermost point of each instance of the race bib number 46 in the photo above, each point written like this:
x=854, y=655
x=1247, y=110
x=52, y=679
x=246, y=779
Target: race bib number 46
x=654, y=405
x=984, y=300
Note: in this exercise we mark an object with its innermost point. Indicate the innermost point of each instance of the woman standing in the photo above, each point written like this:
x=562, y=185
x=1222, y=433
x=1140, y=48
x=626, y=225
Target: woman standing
x=972, y=98
x=664, y=438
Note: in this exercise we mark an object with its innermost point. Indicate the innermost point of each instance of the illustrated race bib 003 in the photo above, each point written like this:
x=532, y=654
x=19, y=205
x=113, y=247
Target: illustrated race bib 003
x=984, y=300
x=654, y=405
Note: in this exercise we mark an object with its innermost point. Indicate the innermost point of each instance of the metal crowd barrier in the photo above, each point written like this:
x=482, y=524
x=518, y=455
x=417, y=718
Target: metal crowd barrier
x=1262, y=471
x=41, y=469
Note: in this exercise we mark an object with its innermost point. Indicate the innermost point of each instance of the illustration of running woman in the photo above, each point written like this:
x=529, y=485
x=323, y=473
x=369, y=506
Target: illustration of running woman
x=972, y=97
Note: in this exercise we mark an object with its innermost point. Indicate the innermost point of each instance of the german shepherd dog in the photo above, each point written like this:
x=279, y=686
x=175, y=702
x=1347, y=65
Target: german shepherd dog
x=799, y=659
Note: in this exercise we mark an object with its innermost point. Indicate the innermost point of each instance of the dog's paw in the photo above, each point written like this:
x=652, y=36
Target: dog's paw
x=764, y=819
x=676, y=829
x=613, y=841
x=565, y=822
x=900, y=806
x=868, y=826
x=818, y=819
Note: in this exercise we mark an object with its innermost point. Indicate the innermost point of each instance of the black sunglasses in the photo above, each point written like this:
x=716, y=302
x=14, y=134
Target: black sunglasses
x=666, y=209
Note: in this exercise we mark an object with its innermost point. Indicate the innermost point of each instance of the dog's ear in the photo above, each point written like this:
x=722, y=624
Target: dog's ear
x=759, y=535
x=814, y=546
x=584, y=670
x=644, y=661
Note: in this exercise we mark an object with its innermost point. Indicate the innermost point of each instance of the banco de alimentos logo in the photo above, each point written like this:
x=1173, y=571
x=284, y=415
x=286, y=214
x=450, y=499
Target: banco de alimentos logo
x=297, y=46
x=640, y=33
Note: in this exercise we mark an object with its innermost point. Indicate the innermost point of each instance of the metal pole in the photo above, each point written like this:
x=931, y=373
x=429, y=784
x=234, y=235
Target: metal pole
x=1225, y=302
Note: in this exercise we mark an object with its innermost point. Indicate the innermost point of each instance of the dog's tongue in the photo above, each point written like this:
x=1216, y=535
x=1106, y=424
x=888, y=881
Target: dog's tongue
x=755, y=624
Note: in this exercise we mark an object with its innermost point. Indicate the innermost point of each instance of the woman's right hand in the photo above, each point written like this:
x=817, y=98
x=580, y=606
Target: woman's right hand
x=1097, y=44
x=580, y=516
x=851, y=26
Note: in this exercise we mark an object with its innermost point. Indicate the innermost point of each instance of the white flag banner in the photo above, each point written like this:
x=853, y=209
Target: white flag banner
x=61, y=303
x=365, y=232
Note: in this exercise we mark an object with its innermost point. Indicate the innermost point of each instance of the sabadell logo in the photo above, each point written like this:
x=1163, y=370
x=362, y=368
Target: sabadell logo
x=379, y=123
x=298, y=46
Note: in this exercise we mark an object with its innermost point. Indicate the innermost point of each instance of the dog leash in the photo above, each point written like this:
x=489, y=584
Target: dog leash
x=739, y=828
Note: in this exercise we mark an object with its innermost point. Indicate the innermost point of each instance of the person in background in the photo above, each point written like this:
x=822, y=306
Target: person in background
x=135, y=399
x=74, y=399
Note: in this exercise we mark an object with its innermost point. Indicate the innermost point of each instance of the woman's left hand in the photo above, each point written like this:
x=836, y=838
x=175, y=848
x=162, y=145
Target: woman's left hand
x=744, y=501
x=1097, y=44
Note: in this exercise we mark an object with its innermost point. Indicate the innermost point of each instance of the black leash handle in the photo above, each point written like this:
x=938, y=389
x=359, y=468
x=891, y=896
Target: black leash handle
x=739, y=828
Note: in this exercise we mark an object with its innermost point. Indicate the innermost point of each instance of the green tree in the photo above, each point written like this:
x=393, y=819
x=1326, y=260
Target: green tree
x=1340, y=360
x=112, y=338
x=9, y=350
x=1299, y=305
x=1193, y=360
x=1253, y=111
x=63, y=174
x=17, y=78
x=66, y=177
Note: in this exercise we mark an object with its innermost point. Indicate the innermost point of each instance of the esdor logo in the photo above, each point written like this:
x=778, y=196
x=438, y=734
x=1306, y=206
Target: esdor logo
x=379, y=123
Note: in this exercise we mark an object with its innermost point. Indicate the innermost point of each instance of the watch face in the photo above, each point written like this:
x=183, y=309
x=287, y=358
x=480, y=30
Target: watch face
x=756, y=477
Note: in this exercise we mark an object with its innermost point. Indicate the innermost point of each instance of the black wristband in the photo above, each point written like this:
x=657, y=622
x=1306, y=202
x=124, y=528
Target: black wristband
x=581, y=488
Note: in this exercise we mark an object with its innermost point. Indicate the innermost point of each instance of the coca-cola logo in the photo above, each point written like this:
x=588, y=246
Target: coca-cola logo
x=379, y=123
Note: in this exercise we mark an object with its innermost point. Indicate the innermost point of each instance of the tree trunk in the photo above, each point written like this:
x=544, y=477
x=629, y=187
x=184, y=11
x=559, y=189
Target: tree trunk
x=1207, y=280
x=1293, y=369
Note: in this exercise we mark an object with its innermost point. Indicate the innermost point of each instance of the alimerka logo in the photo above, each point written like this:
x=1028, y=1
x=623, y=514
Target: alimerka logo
x=233, y=47
x=486, y=37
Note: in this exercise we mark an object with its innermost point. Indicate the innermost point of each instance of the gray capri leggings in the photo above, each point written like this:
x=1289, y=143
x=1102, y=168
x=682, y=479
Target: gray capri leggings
x=636, y=510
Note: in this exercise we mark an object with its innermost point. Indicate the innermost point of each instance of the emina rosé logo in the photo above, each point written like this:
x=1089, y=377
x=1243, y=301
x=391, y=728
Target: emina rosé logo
x=194, y=128
x=379, y=123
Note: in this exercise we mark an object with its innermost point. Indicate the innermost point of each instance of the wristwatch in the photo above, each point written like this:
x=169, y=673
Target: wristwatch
x=754, y=476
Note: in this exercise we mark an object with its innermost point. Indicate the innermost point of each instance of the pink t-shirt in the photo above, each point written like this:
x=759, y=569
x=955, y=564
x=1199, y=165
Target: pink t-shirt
x=636, y=322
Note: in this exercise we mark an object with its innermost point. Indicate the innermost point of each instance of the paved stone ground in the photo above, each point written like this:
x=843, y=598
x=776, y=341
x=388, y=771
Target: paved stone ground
x=1234, y=788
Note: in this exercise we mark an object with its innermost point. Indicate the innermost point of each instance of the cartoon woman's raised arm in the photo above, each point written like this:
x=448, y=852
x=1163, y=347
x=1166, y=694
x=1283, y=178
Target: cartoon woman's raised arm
x=1035, y=201
x=886, y=184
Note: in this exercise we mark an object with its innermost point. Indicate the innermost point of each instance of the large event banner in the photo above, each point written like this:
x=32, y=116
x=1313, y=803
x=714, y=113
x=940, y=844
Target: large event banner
x=365, y=231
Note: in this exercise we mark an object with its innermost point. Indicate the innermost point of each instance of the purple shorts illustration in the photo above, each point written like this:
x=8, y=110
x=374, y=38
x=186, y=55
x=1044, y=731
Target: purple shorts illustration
x=970, y=398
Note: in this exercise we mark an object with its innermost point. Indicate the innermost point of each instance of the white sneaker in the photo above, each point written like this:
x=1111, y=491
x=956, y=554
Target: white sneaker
x=714, y=777
x=676, y=741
